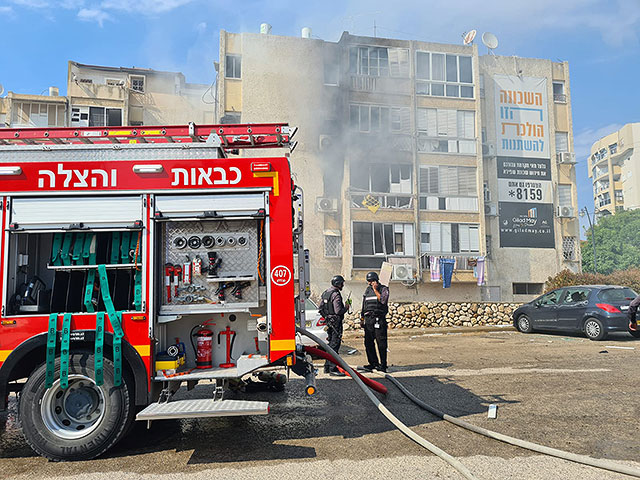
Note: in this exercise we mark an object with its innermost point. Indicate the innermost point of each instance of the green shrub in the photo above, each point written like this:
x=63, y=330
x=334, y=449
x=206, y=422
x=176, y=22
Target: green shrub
x=626, y=278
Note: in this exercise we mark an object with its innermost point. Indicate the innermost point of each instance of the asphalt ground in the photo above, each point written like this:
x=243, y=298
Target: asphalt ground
x=561, y=391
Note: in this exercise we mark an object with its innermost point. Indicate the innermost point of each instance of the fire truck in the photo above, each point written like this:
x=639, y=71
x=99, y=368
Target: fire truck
x=138, y=260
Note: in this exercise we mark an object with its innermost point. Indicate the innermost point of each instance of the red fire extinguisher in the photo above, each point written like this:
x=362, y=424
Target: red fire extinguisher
x=204, y=341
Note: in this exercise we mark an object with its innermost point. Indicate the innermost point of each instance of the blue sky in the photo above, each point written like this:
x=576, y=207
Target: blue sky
x=599, y=39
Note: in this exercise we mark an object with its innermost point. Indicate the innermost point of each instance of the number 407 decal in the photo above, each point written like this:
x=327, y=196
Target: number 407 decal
x=280, y=275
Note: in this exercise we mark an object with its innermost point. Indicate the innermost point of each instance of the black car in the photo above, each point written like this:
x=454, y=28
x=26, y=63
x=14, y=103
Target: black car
x=594, y=310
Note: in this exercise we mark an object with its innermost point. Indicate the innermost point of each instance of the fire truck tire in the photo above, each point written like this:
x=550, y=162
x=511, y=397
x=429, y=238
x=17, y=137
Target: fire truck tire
x=83, y=420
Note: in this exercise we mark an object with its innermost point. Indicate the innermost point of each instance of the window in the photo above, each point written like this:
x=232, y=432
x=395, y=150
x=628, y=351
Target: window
x=82, y=116
x=115, y=82
x=332, y=245
x=437, y=237
x=558, y=93
x=575, y=295
x=613, y=148
x=562, y=142
x=137, y=83
x=569, y=249
x=233, y=66
x=37, y=115
x=448, y=188
x=535, y=289
x=446, y=131
x=443, y=75
x=373, y=242
x=331, y=71
x=379, y=61
x=381, y=178
x=564, y=195
x=616, y=295
x=376, y=118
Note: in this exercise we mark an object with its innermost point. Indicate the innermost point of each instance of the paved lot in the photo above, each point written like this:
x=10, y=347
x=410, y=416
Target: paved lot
x=565, y=392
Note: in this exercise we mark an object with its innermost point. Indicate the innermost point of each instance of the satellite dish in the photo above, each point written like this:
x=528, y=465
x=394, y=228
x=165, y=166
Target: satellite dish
x=469, y=36
x=490, y=40
x=1, y=89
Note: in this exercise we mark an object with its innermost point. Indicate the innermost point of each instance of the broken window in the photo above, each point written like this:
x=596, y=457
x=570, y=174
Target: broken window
x=374, y=242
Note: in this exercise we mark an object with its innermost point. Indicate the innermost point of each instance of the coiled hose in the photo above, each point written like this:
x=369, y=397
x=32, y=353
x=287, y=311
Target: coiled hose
x=573, y=457
x=390, y=416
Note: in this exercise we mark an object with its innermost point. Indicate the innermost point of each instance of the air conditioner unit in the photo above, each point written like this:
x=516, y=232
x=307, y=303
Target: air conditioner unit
x=488, y=149
x=325, y=143
x=326, y=205
x=566, y=212
x=491, y=209
x=566, y=157
x=402, y=272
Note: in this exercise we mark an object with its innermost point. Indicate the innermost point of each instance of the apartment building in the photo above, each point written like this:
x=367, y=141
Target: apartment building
x=411, y=152
x=614, y=167
x=112, y=96
x=23, y=110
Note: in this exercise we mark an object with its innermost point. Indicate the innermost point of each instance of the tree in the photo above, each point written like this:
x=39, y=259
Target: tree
x=617, y=243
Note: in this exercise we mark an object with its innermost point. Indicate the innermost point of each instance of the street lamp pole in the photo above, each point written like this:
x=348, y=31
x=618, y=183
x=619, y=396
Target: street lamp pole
x=593, y=237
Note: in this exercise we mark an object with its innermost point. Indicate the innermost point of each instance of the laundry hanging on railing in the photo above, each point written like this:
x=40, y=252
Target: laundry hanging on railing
x=478, y=270
x=434, y=263
x=446, y=269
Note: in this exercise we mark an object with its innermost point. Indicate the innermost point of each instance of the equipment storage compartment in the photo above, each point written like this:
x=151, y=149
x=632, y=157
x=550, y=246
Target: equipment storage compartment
x=55, y=272
x=210, y=265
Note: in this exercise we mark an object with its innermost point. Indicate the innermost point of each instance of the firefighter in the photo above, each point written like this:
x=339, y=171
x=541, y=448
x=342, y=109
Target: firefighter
x=374, y=310
x=333, y=309
x=633, y=313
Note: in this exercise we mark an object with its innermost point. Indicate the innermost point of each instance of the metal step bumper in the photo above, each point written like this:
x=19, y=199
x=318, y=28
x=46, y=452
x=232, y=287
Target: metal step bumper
x=200, y=408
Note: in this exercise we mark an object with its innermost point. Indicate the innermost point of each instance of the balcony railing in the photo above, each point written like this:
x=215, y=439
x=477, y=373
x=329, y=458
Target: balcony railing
x=559, y=98
x=464, y=261
x=401, y=201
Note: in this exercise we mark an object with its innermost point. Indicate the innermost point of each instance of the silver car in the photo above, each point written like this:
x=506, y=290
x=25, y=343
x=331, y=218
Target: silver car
x=315, y=324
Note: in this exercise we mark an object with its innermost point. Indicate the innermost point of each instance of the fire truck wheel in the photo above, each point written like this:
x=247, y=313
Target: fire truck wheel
x=79, y=422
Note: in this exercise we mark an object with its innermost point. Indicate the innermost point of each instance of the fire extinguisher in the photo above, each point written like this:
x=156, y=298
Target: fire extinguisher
x=203, y=345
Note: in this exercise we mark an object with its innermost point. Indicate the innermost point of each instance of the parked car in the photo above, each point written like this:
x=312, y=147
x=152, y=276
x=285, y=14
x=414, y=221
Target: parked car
x=594, y=310
x=315, y=324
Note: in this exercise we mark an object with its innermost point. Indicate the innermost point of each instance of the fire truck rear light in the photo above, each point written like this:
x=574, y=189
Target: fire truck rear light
x=10, y=170
x=608, y=308
x=148, y=169
x=261, y=167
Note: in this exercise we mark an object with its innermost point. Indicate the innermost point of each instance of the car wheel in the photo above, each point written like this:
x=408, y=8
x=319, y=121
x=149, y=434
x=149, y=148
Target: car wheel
x=524, y=324
x=594, y=330
x=79, y=422
x=634, y=333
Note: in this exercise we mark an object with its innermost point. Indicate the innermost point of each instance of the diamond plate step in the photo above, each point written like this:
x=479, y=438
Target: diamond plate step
x=202, y=408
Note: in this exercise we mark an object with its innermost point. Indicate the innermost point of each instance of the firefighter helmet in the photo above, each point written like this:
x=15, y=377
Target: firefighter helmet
x=372, y=277
x=337, y=281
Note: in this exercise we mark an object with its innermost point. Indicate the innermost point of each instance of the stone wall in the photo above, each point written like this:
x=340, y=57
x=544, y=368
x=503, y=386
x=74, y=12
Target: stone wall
x=434, y=314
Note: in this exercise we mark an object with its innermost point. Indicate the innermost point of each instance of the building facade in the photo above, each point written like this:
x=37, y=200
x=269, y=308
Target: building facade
x=100, y=96
x=413, y=153
x=614, y=167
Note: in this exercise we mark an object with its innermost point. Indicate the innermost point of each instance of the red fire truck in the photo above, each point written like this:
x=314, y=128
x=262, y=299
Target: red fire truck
x=135, y=260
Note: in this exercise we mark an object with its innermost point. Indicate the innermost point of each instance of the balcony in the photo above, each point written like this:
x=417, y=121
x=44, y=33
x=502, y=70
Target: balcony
x=393, y=201
x=460, y=146
x=463, y=269
x=559, y=98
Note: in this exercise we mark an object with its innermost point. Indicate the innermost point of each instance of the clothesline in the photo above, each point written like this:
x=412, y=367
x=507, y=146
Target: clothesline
x=444, y=266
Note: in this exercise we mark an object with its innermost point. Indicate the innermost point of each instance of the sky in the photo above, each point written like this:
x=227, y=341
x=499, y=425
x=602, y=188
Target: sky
x=599, y=38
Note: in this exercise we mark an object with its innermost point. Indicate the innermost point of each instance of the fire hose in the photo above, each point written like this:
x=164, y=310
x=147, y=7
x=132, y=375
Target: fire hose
x=554, y=452
x=390, y=416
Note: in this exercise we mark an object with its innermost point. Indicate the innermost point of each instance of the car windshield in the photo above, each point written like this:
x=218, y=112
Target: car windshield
x=617, y=295
x=550, y=298
x=309, y=305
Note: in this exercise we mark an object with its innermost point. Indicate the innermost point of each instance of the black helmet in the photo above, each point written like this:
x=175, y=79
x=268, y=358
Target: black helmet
x=372, y=277
x=337, y=281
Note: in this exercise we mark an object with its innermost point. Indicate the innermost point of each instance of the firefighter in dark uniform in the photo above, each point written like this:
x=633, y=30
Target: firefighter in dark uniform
x=333, y=309
x=374, y=310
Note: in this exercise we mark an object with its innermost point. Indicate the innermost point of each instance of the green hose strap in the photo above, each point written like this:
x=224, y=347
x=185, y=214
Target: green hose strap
x=137, y=291
x=52, y=334
x=64, y=351
x=99, y=348
x=124, y=247
x=55, y=248
x=86, y=248
x=88, y=291
x=78, y=245
x=66, y=247
x=116, y=323
x=115, y=248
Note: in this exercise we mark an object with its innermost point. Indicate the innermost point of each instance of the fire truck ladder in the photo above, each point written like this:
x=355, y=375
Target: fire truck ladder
x=227, y=137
